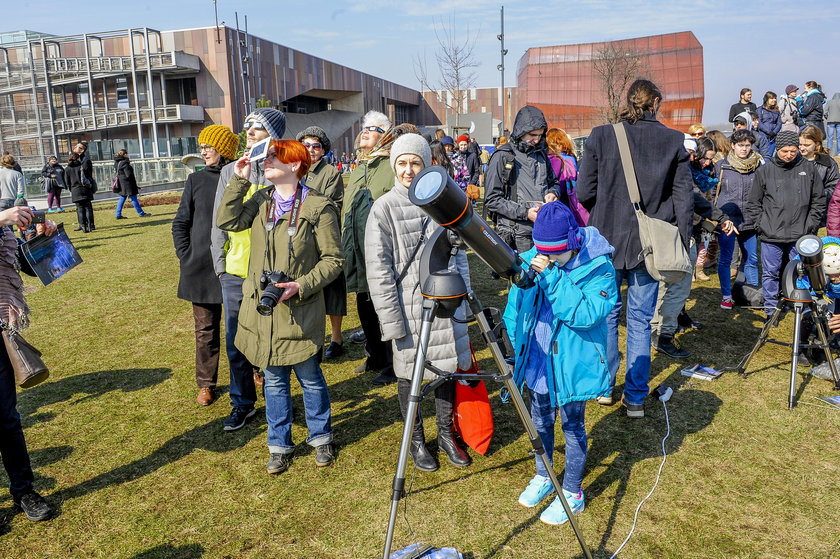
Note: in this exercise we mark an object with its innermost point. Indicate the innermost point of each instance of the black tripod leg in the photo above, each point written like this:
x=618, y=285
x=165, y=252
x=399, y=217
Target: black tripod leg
x=762, y=338
x=797, y=334
x=522, y=411
x=822, y=328
x=429, y=307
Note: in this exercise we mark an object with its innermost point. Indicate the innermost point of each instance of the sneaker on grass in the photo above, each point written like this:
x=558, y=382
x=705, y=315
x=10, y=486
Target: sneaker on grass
x=555, y=514
x=239, y=415
x=324, y=455
x=278, y=463
x=538, y=488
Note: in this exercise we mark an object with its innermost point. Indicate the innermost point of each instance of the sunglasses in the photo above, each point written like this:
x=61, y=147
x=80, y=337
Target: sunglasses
x=255, y=124
x=373, y=129
x=697, y=135
x=314, y=145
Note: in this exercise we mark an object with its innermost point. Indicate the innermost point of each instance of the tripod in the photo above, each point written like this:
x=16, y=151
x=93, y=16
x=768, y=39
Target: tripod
x=443, y=292
x=799, y=299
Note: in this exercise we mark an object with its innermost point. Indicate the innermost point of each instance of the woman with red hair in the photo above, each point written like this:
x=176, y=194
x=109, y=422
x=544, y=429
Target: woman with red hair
x=564, y=163
x=295, y=253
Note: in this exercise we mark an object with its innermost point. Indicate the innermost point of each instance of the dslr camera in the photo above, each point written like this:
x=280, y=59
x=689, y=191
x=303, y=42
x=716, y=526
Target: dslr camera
x=271, y=294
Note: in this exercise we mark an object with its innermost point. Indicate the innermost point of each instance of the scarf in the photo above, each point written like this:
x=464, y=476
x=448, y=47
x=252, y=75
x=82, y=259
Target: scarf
x=744, y=166
x=284, y=205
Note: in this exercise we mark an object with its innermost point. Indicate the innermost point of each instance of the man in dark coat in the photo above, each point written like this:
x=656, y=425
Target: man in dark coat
x=191, y=235
x=665, y=185
x=786, y=202
x=744, y=104
x=519, y=178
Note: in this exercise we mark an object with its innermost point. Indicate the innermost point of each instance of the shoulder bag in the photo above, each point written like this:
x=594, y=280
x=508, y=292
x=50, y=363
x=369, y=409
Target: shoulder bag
x=663, y=251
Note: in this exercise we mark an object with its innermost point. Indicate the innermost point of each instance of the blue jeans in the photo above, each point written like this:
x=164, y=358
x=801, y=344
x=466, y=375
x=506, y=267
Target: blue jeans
x=832, y=131
x=278, y=405
x=748, y=241
x=641, y=304
x=242, y=390
x=134, y=200
x=574, y=430
x=772, y=257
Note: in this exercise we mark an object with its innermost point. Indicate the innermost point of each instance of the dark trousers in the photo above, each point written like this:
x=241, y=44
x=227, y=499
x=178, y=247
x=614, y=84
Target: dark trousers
x=444, y=403
x=84, y=213
x=208, y=319
x=379, y=352
x=12, y=444
x=243, y=393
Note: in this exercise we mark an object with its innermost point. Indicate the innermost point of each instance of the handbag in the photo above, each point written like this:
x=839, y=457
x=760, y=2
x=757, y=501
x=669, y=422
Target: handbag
x=473, y=416
x=663, y=251
x=115, y=185
x=26, y=360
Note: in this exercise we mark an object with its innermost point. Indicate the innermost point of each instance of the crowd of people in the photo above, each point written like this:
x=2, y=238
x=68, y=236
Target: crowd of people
x=273, y=247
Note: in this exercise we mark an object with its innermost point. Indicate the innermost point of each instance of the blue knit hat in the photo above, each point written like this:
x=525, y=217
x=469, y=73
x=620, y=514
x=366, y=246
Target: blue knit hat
x=556, y=230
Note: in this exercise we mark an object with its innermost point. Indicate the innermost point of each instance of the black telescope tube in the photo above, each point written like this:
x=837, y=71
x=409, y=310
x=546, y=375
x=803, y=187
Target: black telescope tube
x=810, y=252
x=434, y=191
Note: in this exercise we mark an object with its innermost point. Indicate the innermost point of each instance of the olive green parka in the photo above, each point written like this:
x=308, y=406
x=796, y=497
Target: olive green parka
x=295, y=330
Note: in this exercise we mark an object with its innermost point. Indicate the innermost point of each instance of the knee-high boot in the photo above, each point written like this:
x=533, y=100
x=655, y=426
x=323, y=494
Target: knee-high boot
x=424, y=460
x=444, y=407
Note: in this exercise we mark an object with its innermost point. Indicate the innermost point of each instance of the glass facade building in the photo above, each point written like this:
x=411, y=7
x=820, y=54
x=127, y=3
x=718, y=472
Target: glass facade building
x=565, y=83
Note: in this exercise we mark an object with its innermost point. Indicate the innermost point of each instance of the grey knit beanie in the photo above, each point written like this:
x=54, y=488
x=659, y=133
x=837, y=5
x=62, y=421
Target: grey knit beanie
x=273, y=120
x=787, y=138
x=414, y=144
x=315, y=132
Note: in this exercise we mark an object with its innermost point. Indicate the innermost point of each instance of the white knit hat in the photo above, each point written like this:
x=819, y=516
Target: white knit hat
x=414, y=144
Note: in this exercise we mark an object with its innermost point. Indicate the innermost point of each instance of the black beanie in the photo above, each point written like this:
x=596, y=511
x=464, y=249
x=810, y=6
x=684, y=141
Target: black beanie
x=787, y=138
x=315, y=132
x=273, y=120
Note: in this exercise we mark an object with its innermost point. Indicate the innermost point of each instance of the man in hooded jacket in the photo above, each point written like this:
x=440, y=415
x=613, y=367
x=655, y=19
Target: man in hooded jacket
x=519, y=178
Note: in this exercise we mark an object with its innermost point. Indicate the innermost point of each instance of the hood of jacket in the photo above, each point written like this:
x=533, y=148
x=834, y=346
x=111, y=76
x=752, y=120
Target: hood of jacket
x=528, y=118
x=784, y=164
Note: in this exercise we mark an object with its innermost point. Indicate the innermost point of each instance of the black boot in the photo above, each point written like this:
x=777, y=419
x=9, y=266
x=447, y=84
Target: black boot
x=666, y=345
x=444, y=408
x=457, y=456
x=424, y=460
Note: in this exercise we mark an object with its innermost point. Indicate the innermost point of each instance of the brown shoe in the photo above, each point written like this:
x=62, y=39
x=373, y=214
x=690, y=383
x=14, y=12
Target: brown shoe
x=259, y=381
x=205, y=396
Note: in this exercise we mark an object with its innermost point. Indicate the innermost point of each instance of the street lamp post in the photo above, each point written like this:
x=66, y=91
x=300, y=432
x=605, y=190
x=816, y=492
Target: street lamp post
x=501, y=67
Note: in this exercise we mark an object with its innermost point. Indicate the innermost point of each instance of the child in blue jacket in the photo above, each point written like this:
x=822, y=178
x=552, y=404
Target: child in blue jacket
x=559, y=332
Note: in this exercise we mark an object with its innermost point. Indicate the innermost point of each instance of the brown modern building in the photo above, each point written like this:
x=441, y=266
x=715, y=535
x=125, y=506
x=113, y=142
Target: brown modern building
x=565, y=83
x=151, y=92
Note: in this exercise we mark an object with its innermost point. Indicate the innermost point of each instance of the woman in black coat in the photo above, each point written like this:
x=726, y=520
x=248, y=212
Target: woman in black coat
x=127, y=184
x=53, y=174
x=80, y=193
x=191, y=236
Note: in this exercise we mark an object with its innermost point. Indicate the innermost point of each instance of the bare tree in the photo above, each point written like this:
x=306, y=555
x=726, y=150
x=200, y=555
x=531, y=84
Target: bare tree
x=616, y=68
x=455, y=61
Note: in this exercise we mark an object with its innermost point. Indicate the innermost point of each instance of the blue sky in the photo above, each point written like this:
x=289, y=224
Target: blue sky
x=761, y=45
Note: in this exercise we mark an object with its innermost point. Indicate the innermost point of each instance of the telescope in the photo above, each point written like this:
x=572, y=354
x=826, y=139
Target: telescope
x=444, y=291
x=434, y=191
x=810, y=252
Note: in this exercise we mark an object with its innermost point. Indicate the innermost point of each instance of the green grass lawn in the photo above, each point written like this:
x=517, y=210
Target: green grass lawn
x=137, y=469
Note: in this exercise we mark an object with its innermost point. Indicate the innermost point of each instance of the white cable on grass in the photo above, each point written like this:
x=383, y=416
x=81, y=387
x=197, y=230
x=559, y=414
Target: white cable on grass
x=652, y=489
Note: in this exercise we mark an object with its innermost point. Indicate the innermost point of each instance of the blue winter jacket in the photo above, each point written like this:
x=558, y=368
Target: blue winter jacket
x=769, y=122
x=581, y=294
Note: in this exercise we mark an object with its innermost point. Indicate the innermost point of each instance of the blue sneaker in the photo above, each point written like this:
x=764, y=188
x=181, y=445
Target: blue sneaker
x=555, y=514
x=538, y=488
